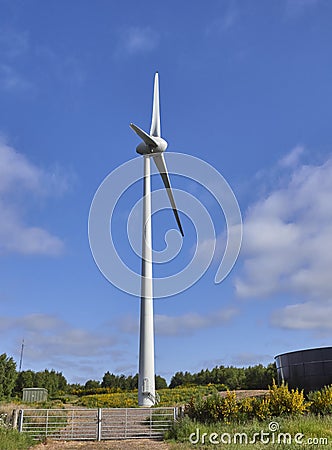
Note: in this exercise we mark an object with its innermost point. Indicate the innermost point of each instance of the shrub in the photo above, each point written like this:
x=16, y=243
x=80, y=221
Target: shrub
x=214, y=408
x=279, y=401
x=246, y=408
x=254, y=407
x=261, y=408
x=285, y=401
x=229, y=407
x=321, y=401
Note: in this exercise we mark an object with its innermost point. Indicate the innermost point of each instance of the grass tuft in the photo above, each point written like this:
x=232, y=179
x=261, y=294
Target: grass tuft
x=13, y=440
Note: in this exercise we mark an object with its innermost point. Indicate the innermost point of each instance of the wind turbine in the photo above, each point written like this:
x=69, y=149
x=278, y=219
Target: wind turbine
x=152, y=147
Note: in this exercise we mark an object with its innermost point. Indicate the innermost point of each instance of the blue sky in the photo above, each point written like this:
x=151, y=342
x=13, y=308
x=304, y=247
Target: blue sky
x=245, y=86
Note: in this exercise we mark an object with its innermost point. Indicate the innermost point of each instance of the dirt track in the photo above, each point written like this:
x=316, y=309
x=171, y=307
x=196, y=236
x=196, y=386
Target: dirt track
x=135, y=444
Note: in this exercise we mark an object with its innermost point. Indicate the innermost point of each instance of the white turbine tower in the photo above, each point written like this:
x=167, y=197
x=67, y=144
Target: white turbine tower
x=152, y=147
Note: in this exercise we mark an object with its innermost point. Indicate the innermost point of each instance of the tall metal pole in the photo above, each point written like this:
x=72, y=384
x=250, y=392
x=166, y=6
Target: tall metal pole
x=146, y=376
x=21, y=357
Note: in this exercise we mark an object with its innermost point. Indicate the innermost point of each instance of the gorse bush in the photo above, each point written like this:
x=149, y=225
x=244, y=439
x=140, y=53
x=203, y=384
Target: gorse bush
x=278, y=402
x=214, y=408
x=321, y=401
x=285, y=401
x=254, y=407
x=115, y=400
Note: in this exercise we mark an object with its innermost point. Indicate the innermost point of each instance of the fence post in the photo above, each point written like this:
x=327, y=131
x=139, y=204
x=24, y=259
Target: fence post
x=46, y=425
x=99, y=418
x=14, y=419
x=20, y=420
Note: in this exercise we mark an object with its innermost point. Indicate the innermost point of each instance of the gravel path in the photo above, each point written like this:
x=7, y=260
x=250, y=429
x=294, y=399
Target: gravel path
x=135, y=444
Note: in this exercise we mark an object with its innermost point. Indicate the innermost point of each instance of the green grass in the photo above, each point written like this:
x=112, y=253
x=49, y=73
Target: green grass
x=13, y=440
x=311, y=427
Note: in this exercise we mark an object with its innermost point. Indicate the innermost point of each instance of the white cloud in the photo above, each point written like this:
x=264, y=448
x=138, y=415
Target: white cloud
x=293, y=157
x=287, y=245
x=17, y=171
x=287, y=237
x=312, y=315
x=48, y=338
x=13, y=45
x=191, y=322
x=251, y=359
x=18, y=176
x=135, y=40
x=186, y=324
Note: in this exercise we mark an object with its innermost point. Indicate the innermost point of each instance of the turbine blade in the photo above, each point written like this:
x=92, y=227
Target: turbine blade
x=143, y=135
x=155, y=121
x=161, y=166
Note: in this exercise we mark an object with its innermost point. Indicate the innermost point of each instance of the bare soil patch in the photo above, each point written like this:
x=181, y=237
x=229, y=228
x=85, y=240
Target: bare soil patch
x=247, y=393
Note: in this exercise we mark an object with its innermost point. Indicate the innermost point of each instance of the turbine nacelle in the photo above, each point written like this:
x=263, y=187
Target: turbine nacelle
x=144, y=149
x=151, y=144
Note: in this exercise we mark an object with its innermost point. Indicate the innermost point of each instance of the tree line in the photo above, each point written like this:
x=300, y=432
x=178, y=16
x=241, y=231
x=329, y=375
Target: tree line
x=13, y=382
x=252, y=377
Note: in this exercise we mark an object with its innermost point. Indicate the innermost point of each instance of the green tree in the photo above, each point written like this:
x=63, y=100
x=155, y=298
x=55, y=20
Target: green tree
x=92, y=384
x=260, y=377
x=255, y=377
x=24, y=380
x=132, y=382
x=8, y=376
x=234, y=377
x=177, y=380
x=160, y=382
x=108, y=380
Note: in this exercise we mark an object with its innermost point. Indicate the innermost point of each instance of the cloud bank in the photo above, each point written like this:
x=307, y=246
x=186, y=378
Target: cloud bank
x=186, y=324
x=287, y=245
x=20, y=179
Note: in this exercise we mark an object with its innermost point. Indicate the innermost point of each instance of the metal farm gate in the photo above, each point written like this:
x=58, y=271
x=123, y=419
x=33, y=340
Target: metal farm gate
x=97, y=424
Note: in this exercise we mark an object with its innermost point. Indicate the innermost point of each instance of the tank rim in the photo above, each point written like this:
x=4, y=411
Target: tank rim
x=303, y=350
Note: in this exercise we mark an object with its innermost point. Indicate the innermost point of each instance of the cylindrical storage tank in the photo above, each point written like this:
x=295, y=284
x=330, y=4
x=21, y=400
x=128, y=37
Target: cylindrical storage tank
x=309, y=369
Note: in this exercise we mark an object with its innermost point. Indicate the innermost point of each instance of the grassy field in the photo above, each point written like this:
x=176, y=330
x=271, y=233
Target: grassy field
x=168, y=397
x=289, y=433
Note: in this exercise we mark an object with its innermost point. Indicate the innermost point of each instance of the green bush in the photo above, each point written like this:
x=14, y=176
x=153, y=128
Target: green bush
x=214, y=408
x=321, y=401
x=285, y=401
x=279, y=401
x=254, y=407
